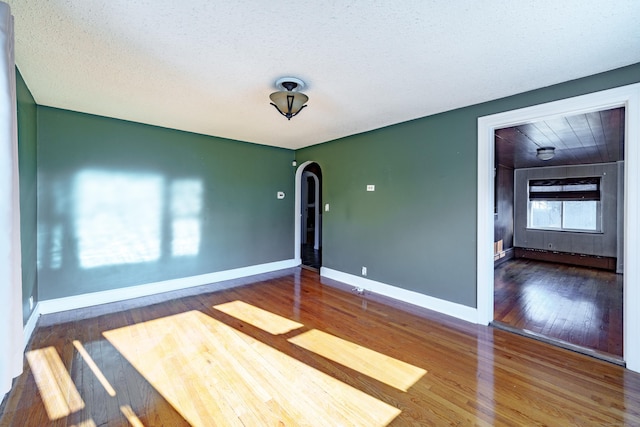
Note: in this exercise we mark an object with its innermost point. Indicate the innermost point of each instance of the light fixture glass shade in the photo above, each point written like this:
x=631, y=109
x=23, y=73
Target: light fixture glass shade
x=546, y=153
x=288, y=103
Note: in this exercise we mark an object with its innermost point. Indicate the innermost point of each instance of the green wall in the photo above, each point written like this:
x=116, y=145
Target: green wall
x=418, y=229
x=28, y=197
x=123, y=204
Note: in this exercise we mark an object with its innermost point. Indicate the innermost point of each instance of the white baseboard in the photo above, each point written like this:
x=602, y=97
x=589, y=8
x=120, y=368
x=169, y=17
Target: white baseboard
x=121, y=294
x=96, y=298
x=30, y=326
x=459, y=311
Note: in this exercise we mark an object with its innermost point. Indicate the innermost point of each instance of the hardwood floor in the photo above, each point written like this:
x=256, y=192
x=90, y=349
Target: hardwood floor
x=288, y=348
x=576, y=305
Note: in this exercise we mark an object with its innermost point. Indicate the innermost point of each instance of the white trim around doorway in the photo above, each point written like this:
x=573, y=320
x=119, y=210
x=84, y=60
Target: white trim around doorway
x=626, y=96
x=297, y=239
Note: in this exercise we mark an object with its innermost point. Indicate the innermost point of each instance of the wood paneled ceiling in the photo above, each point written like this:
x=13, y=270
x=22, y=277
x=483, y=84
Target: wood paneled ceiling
x=596, y=137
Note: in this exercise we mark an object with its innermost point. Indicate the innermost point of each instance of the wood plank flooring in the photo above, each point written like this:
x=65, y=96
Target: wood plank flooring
x=289, y=349
x=576, y=305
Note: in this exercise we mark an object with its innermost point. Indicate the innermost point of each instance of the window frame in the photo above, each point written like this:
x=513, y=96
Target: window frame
x=566, y=195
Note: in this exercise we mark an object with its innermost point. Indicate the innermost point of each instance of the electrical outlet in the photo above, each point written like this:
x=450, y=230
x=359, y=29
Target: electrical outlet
x=364, y=271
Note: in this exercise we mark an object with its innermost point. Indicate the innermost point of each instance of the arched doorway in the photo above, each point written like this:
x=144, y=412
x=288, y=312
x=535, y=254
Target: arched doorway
x=309, y=215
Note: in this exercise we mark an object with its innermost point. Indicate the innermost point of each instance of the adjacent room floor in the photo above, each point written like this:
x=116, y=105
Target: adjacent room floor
x=577, y=306
x=311, y=258
x=290, y=348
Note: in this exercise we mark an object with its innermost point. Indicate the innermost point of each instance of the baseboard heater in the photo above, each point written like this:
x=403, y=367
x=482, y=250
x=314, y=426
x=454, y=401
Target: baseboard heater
x=595, y=261
x=502, y=256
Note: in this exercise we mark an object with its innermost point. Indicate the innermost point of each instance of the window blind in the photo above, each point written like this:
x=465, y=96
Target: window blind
x=565, y=189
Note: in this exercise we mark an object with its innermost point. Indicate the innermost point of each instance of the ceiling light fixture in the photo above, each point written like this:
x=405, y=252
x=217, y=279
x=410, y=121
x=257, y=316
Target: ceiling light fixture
x=288, y=101
x=546, y=153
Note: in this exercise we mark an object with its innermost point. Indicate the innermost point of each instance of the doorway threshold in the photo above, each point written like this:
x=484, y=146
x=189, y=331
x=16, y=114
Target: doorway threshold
x=310, y=268
x=611, y=358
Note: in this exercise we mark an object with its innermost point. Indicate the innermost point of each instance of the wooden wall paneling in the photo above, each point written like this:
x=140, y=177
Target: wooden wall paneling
x=569, y=241
x=503, y=220
x=596, y=137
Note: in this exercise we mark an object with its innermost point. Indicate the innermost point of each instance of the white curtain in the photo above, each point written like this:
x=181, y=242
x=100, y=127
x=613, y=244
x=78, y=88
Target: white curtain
x=11, y=328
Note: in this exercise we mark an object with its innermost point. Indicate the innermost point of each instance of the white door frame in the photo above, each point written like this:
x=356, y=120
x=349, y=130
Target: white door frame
x=626, y=96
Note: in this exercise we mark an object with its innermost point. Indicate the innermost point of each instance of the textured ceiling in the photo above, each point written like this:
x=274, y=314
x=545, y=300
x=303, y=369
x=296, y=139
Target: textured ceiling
x=209, y=66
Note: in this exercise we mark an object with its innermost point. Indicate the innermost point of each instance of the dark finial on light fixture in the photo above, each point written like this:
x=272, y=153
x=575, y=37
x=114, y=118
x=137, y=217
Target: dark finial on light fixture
x=546, y=153
x=289, y=102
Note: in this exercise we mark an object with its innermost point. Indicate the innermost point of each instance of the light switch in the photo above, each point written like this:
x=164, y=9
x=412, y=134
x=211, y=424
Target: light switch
x=326, y=207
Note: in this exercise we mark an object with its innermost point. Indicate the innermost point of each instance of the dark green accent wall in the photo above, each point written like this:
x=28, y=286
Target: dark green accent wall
x=123, y=204
x=418, y=229
x=28, y=195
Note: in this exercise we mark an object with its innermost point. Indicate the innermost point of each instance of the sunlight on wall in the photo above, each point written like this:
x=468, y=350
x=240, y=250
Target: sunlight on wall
x=118, y=217
x=386, y=369
x=59, y=394
x=237, y=379
x=258, y=317
x=186, y=206
x=55, y=236
x=51, y=234
x=55, y=260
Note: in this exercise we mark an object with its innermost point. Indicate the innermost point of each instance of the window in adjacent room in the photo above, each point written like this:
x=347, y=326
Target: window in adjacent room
x=569, y=204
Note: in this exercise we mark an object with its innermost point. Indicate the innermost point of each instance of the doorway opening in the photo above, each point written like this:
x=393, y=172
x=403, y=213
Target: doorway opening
x=310, y=213
x=558, y=227
x=627, y=97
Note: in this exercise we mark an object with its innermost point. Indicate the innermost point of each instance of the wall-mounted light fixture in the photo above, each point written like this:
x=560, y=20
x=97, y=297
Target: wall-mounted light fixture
x=288, y=100
x=546, y=153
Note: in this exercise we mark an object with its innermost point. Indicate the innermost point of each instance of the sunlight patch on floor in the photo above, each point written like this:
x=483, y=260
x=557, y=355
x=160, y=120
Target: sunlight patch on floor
x=386, y=369
x=59, y=394
x=94, y=368
x=262, y=319
x=208, y=370
x=131, y=416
